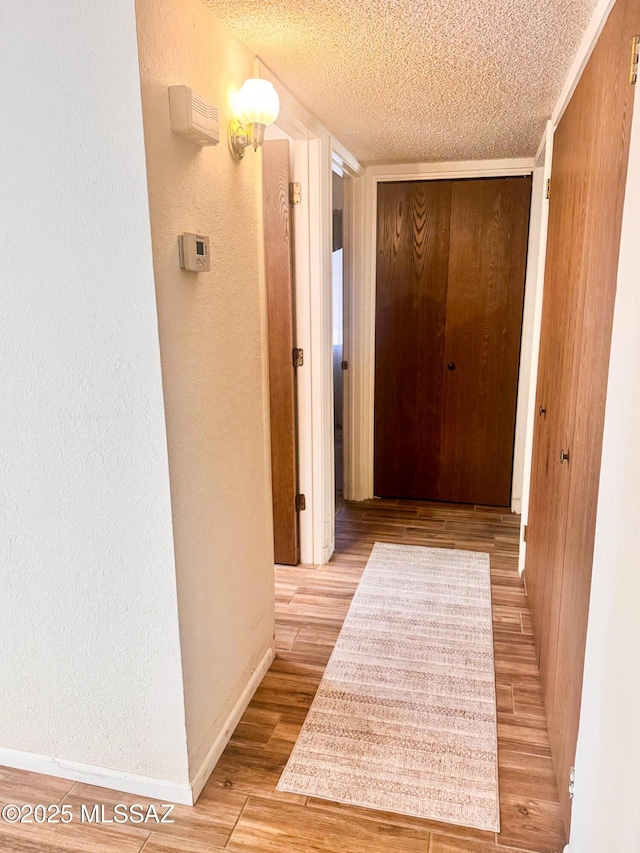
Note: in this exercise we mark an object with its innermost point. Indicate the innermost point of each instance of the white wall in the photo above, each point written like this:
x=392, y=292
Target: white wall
x=214, y=367
x=606, y=808
x=89, y=651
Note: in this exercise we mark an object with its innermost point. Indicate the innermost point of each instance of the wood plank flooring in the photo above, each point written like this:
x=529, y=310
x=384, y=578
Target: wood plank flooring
x=240, y=810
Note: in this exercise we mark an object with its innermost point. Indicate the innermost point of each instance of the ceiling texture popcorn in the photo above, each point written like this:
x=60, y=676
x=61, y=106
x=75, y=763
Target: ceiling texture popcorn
x=400, y=81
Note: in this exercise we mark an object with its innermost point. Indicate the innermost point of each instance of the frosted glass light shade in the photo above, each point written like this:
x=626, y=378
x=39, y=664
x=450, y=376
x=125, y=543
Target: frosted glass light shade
x=257, y=102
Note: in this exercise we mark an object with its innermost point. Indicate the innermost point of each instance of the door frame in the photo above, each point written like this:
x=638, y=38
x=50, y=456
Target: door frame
x=313, y=152
x=531, y=328
x=361, y=408
x=280, y=340
x=352, y=259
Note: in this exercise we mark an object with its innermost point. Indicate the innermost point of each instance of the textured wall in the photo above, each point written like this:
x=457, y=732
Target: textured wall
x=89, y=647
x=606, y=808
x=213, y=365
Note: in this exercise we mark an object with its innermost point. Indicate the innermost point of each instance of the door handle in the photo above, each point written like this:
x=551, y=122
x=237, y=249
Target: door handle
x=451, y=366
x=564, y=456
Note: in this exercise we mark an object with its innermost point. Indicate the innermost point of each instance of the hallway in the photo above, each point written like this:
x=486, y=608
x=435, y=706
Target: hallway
x=311, y=605
x=239, y=808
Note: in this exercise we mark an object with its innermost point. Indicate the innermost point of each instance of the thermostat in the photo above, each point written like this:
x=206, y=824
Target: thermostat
x=194, y=252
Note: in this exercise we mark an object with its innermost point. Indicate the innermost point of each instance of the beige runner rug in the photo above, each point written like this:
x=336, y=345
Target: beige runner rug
x=404, y=719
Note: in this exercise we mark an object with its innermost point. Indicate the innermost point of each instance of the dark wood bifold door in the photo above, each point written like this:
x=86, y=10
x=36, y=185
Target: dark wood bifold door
x=451, y=260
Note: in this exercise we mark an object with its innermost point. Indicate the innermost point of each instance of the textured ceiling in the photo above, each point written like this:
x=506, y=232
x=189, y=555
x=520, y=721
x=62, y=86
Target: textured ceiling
x=419, y=80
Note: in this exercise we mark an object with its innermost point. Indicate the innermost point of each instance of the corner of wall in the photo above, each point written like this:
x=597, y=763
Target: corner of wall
x=214, y=371
x=251, y=681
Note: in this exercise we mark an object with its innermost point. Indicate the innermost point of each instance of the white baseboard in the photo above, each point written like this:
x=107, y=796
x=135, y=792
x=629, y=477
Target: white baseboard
x=131, y=783
x=103, y=777
x=199, y=780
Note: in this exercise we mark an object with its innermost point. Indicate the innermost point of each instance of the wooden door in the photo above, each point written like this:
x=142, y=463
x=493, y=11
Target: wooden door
x=559, y=351
x=279, y=286
x=450, y=282
x=411, y=298
x=587, y=193
x=485, y=295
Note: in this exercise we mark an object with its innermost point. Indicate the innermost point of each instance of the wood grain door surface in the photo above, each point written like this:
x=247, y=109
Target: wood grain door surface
x=485, y=295
x=280, y=322
x=411, y=303
x=590, y=157
x=450, y=283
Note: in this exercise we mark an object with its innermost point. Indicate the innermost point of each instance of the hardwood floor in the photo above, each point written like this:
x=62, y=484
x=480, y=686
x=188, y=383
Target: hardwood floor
x=240, y=810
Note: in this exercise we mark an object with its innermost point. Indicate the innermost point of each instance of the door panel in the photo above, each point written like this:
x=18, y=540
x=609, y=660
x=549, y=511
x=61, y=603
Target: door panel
x=588, y=182
x=412, y=261
x=279, y=287
x=607, y=96
x=450, y=281
x=563, y=306
x=487, y=257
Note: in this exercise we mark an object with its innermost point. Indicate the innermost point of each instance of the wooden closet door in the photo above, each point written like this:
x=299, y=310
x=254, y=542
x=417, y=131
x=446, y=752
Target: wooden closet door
x=587, y=194
x=487, y=259
x=450, y=282
x=562, y=311
x=412, y=260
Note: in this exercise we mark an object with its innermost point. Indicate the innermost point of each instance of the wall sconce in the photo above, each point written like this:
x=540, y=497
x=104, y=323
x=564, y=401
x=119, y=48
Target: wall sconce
x=256, y=107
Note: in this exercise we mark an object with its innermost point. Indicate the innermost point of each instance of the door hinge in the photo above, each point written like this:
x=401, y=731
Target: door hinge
x=301, y=503
x=548, y=192
x=635, y=50
x=295, y=193
x=345, y=365
x=297, y=355
x=572, y=781
x=524, y=533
